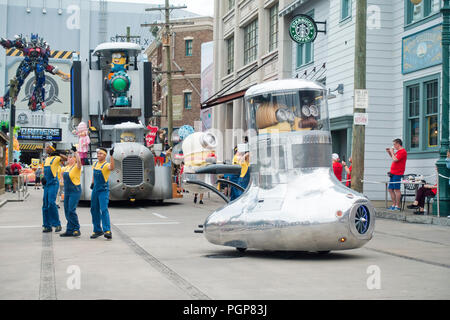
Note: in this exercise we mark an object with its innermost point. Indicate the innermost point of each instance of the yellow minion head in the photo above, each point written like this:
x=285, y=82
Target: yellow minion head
x=127, y=137
x=119, y=58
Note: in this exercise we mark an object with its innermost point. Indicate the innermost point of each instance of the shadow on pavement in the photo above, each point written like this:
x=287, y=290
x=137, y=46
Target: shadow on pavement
x=284, y=255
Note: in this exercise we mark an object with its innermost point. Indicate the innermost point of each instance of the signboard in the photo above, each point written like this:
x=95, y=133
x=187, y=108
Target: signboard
x=41, y=134
x=177, y=105
x=151, y=136
x=361, y=99
x=207, y=81
x=422, y=49
x=361, y=119
x=57, y=91
x=303, y=29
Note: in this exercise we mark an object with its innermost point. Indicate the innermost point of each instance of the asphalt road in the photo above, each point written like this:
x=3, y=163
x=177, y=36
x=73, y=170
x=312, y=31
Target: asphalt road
x=155, y=254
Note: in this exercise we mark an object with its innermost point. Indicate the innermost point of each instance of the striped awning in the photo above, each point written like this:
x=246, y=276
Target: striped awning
x=31, y=146
x=54, y=54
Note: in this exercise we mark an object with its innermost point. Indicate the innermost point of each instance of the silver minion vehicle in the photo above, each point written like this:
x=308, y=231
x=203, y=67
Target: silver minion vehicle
x=294, y=201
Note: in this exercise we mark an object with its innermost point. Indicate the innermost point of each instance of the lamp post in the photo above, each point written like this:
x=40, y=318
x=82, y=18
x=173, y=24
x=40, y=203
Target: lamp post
x=444, y=190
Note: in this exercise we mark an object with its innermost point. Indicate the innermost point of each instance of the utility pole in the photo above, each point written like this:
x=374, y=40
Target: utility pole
x=359, y=131
x=128, y=36
x=166, y=44
x=13, y=92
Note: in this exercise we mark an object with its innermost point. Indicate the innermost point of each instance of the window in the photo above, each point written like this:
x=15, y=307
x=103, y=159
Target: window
x=251, y=42
x=230, y=4
x=346, y=9
x=305, y=50
x=422, y=112
x=230, y=55
x=188, y=44
x=273, y=34
x=421, y=10
x=188, y=100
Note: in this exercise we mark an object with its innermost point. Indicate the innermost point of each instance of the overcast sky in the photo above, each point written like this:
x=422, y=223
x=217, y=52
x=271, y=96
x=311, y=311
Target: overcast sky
x=201, y=7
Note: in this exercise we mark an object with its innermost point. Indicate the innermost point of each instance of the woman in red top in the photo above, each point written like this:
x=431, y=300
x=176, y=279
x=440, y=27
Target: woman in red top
x=423, y=192
x=337, y=166
x=348, y=170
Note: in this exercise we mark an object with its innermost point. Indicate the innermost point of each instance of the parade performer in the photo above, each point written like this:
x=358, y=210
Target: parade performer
x=83, y=141
x=51, y=185
x=37, y=53
x=72, y=193
x=100, y=194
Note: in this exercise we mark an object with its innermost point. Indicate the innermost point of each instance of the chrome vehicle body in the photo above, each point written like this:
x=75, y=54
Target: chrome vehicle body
x=294, y=201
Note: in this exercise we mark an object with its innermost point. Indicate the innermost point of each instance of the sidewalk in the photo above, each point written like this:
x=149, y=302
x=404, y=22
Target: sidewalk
x=10, y=197
x=408, y=215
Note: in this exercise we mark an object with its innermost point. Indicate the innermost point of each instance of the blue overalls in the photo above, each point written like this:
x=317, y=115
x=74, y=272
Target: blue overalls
x=49, y=208
x=99, y=201
x=72, y=194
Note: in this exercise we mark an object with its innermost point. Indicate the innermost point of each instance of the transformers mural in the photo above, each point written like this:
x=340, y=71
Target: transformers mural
x=37, y=53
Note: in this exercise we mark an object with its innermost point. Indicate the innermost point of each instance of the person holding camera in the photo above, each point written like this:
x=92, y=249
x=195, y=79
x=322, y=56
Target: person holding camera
x=399, y=156
x=71, y=175
x=100, y=194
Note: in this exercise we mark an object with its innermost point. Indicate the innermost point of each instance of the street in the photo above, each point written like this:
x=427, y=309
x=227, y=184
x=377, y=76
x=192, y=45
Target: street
x=155, y=254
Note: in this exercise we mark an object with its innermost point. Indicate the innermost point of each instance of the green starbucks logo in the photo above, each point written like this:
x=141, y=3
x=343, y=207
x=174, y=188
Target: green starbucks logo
x=303, y=29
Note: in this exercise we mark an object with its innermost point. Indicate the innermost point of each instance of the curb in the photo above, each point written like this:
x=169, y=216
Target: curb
x=413, y=218
x=3, y=202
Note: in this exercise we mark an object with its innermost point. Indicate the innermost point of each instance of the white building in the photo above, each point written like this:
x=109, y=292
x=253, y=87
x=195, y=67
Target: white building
x=404, y=67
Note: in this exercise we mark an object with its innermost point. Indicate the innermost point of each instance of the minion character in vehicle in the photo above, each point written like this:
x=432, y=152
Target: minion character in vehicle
x=118, y=82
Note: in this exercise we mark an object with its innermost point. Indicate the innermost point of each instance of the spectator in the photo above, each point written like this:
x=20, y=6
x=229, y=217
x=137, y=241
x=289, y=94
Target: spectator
x=201, y=198
x=348, y=170
x=15, y=169
x=423, y=192
x=396, y=173
x=8, y=172
x=37, y=174
x=337, y=166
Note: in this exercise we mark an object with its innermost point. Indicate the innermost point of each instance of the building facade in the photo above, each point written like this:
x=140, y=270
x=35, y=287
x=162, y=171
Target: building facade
x=186, y=44
x=404, y=73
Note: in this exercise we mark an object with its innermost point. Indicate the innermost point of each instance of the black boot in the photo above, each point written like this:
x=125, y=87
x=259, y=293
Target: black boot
x=108, y=235
x=58, y=229
x=95, y=235
x=47, y=230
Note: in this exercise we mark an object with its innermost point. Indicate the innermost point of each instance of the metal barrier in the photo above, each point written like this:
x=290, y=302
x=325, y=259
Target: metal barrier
x=18, y=183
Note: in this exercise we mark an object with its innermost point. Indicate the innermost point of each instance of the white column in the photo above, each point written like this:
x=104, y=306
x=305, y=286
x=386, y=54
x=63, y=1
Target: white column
x=284, y=44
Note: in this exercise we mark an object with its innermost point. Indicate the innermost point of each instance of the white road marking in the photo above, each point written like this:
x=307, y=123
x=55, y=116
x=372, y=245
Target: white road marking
x=90, y=225
x=159, y=215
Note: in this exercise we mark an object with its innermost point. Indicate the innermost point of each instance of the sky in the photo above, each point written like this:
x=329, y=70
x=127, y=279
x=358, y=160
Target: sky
x=201, y=7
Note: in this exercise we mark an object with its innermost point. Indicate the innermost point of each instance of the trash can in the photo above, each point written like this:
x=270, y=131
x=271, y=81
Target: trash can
x=8, y=180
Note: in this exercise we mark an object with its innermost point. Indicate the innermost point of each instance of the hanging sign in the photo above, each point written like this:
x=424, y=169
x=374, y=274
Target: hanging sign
x=361, y=99
x=151, y=136
x=303, y=29
x=361, y=119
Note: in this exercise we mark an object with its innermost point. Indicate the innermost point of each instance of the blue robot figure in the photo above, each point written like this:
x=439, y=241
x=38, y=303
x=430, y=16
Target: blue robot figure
x=118, y=82
x=36, y=53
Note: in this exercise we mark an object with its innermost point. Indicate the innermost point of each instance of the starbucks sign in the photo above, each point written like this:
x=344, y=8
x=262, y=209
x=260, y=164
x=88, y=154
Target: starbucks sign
x=303, y=29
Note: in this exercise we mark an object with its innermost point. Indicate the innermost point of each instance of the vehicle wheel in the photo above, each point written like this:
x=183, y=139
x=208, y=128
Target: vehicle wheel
x=323, y=252
x=241, y=249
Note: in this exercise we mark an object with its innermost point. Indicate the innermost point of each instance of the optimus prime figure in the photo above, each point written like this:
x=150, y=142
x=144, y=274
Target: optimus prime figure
x=36, y=52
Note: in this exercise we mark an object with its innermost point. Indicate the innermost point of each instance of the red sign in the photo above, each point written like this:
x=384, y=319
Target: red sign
x=151, y=136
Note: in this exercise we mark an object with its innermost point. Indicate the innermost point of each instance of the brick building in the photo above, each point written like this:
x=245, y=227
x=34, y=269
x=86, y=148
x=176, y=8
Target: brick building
x=186, y=44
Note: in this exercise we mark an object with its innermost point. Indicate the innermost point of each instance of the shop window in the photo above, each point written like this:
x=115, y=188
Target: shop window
x=422, y=10
x=273, y=33
x=188, y=44
x=188, y=100
x=305, y=53
x=346, y=9
x=230, y=55
x=251, y=42
x=422, y=114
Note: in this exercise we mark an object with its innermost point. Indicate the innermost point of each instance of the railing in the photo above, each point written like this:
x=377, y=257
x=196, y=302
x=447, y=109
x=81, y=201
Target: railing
x=16, y=187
